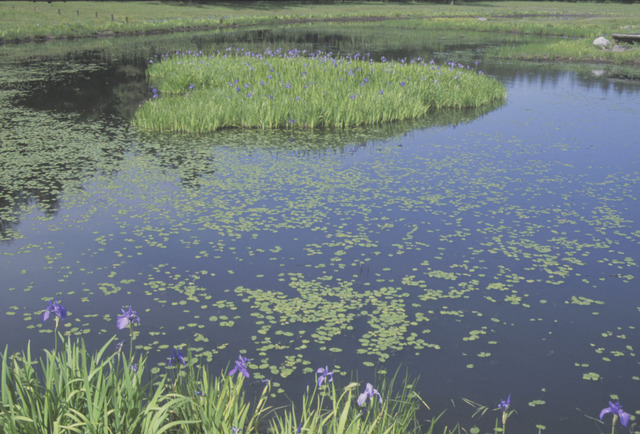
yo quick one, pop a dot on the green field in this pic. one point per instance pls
(577, 23)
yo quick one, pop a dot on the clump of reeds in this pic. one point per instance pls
(194, 92)
(74, 391)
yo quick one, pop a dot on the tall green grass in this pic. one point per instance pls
(197, 93)
(328, 410)
(74, 391)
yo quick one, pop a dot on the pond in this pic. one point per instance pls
(488, 252)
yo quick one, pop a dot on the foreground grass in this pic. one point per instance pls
(197, 93)
(76, 392)
(103, 392)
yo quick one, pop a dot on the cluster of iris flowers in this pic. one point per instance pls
(196, 92)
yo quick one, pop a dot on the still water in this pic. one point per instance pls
(491, 252)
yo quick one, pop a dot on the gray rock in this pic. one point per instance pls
(602, 42)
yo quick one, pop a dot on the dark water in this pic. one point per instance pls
(489, 252)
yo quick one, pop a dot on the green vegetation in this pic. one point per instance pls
(582, 21)
(103, 392)
(577, 32)
(21, 20)
(568, 50)
(199, 93)
(325, 410)
(385, 320)
(520, 24)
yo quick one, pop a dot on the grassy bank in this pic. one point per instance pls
(194, 92)
(580, 23)
(568, 50)
(26, 20)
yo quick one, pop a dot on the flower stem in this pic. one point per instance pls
(130, 342)
(55, 337)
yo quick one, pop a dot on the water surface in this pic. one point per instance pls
(489, 252)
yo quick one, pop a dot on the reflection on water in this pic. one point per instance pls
(490, 252)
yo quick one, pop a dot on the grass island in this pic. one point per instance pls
(195, 92)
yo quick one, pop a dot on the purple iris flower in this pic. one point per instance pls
(402, 83)
(504, 405)
(56, 308)
(369, 393)
(241, 367)
(127, 317)
(325, 375)
(177, 356)
(235, 430)
(616, 409)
